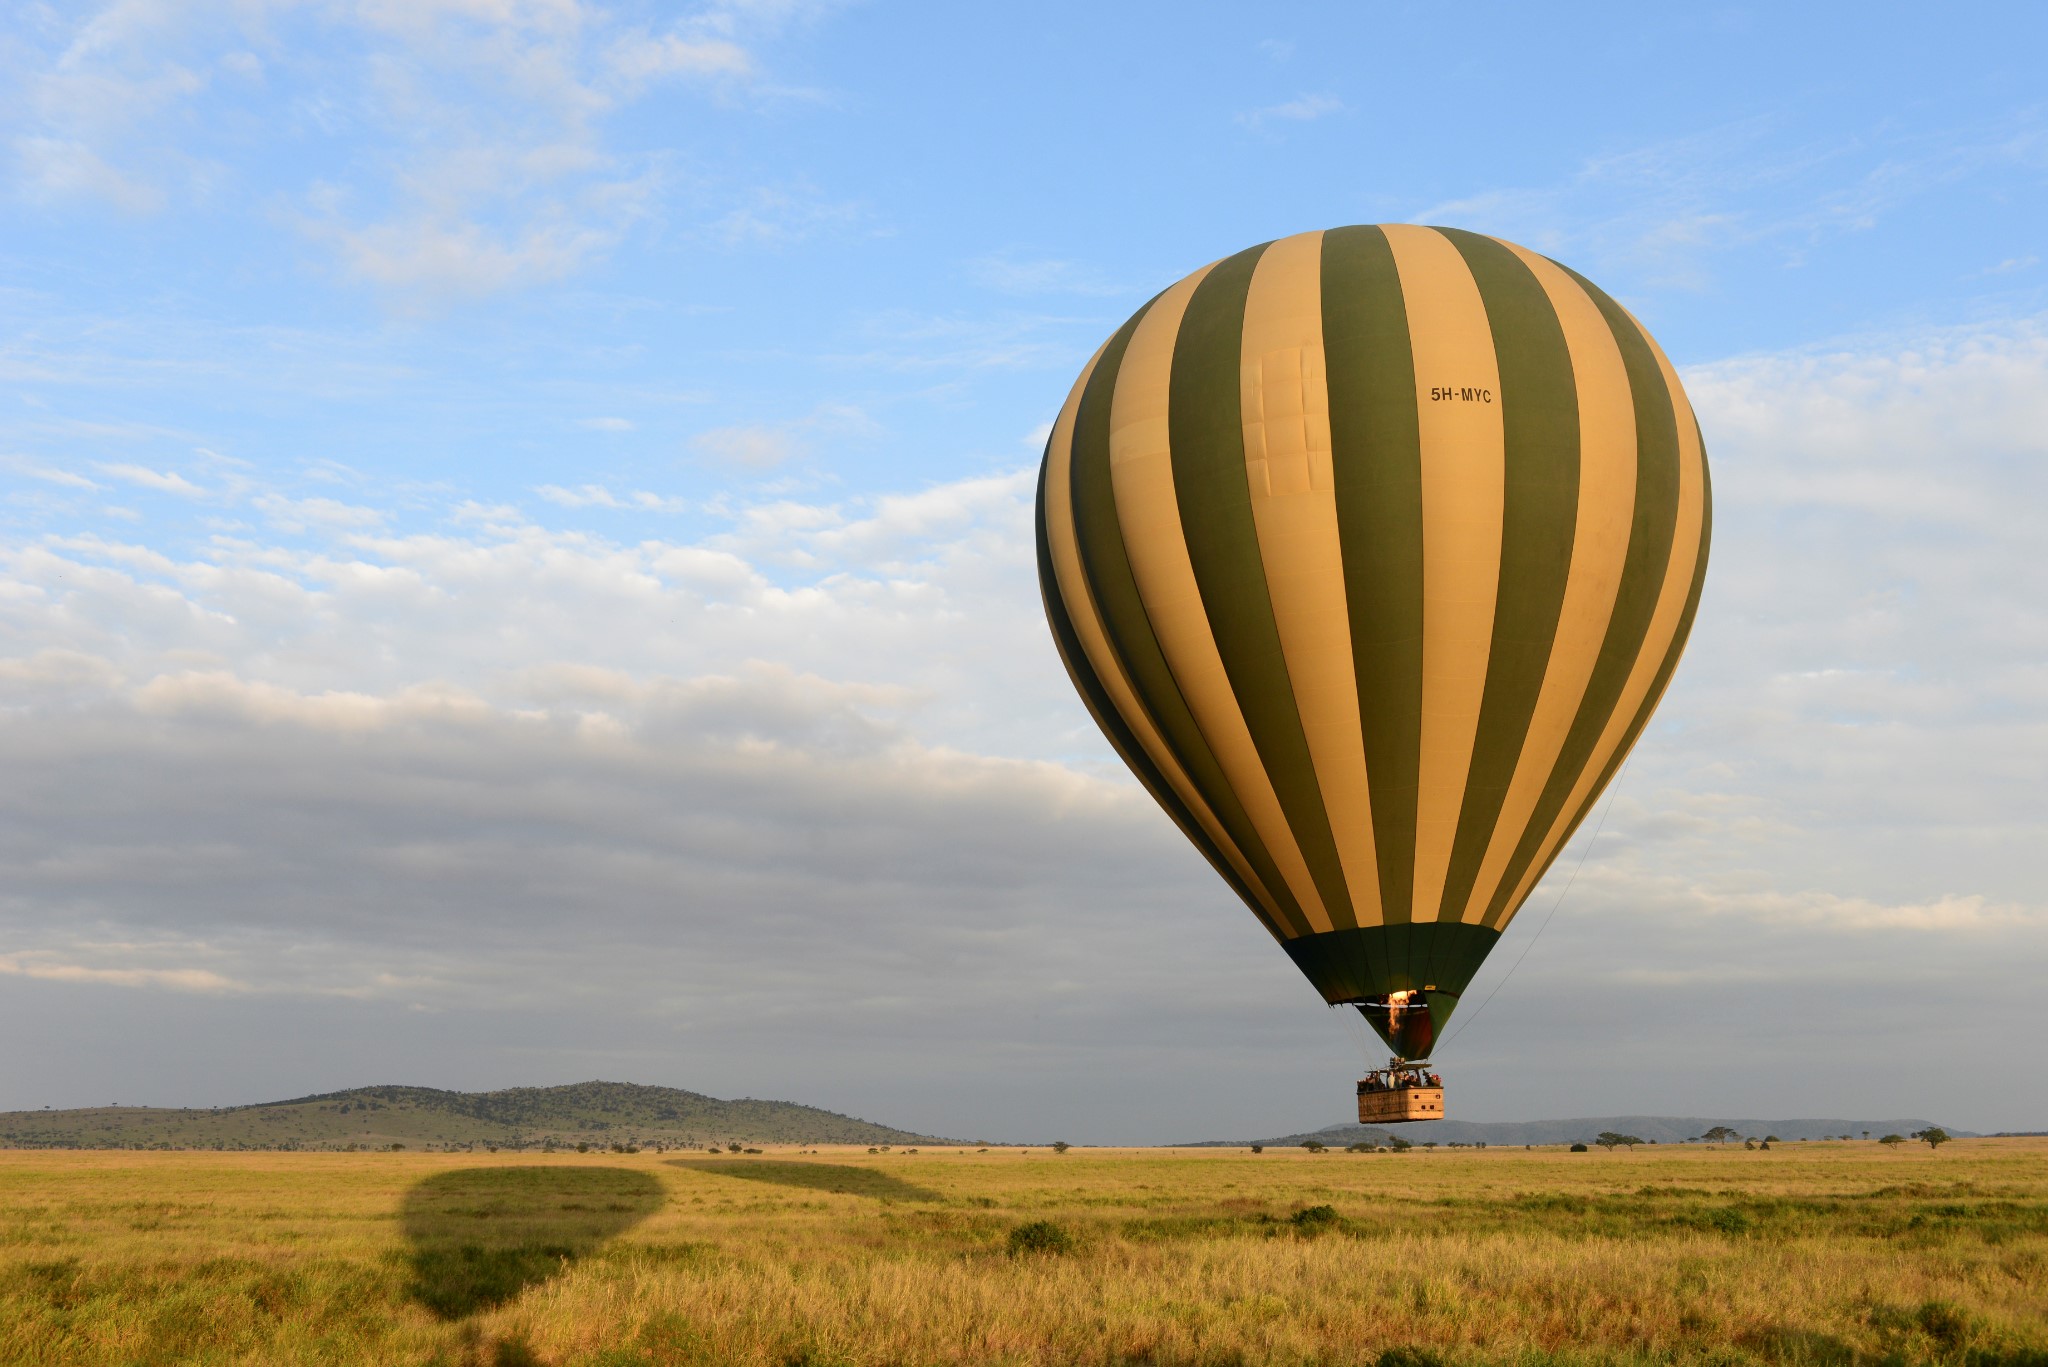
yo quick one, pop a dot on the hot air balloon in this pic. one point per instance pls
(1371, 551)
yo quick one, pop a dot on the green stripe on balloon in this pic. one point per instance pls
(1540, 422)
(1642, 578)
(1206, 435)
(1121, 738)
(1107, 566)
(1376, 462)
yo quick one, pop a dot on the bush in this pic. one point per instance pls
(1314, 1145)
(1060, 1146)
(1315, 1219)
(1040, 1236)
(1728, 1220)
(1258, 1148)
(1580, 1148)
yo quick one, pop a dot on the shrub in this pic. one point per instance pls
(1314, 1145)
(1258, 1148)
(1315, 1219)
(1040, 1236)
(1728, 1220)
(1059, 1146)
(1580, 1148)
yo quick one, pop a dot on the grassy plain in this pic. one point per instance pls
(1840, 1254)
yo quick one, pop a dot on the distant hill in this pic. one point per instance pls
(1665, 1129)
(426, 1117)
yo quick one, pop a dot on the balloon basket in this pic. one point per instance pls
(1400, 1092)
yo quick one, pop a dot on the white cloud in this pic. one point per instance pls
(1662, 210)
(34, 965)
(585, 496)
(757, 447)
(598, 496)
(1300, 109)
(55, 169)
(162, 481)
(1012, 274)
(779, 215)
(297, 514)
(644, 57)
(47, 474)
(479, 158)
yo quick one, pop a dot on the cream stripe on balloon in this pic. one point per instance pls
(1464, 473)
(1286, 415)
(1141, 473)
(1094, 639)
(1607, 488)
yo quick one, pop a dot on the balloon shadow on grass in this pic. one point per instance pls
(480, 1236)
(839, 1178)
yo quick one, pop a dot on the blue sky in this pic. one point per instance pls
(513, 541)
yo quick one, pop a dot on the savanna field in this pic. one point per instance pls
(1837, 1253)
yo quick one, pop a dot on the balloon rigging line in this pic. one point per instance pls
(1605, 808)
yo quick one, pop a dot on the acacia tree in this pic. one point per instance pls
(1892, 1141)
(1720, 1134)
(1933, 1135)
(1609, 1140)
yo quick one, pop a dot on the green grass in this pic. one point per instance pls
(1844, 1254)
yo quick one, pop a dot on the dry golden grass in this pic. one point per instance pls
(1810, 1253)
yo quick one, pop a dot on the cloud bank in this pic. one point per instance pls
(803, 806)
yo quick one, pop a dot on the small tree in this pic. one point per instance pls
(1892, 1141)
(1609, 1140)
(1314, 1145)
(1772, 1139)
(1399, 1145)
(1258, 1148)
(1720, 1134)
(1933, 1136)
(1059, 1146)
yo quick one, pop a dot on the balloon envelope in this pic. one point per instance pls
(1371, 551)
